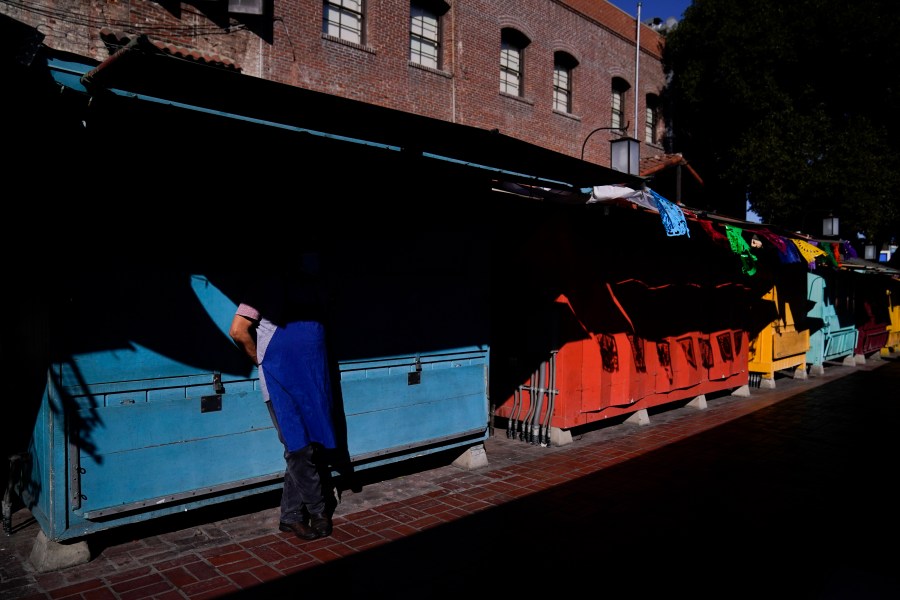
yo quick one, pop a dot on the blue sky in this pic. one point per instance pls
(654, 8)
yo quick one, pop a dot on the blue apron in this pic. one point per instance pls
(296, 371)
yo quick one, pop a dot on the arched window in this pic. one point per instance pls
(425, 32)
(563, 68)
(619, 88)
(512, 61)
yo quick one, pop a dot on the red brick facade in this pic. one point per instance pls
(287, 45)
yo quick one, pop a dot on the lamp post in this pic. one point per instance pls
(624, 152)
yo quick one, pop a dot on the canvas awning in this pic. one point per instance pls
(141, 71)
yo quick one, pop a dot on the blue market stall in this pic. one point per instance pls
(834, 340)
(150, 410)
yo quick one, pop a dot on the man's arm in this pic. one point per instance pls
(243, 332)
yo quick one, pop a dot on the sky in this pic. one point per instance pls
(653, 8)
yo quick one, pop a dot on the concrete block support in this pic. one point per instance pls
(51, 556)
(641, 417)
(699, 402)
(742, 392)
(560, 437)
(473, 458)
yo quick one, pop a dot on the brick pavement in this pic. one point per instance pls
(223, 550)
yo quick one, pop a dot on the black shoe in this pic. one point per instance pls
(301, 530)
(320, 524)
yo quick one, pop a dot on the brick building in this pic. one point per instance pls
(547, 72)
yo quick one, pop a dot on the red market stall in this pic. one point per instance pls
(609, 315)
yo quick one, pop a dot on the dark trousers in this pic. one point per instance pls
(302, 494)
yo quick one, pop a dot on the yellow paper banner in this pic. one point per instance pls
(808, 251)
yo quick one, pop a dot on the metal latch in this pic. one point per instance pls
(415, 377)
(217, 383)
(213, 403)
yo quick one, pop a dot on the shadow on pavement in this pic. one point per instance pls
(796, 500)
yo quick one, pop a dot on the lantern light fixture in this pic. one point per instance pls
(831, 226)
(625, 155)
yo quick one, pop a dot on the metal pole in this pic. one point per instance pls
(637, 71)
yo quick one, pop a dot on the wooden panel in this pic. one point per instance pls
(387, 413)
(146, 472)
(132, 427)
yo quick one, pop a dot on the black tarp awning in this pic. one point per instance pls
(144, 73)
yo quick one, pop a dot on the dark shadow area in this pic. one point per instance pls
(790, 500)
(113, 298)
(357, 481)
(197, 517)
(268, 500)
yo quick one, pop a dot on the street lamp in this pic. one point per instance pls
(624, 152)
(625, 155)
(830, 226)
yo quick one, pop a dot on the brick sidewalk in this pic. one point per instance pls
(217, 551)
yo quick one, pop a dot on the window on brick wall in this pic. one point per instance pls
(651, 122)
(425, 32)
(343, 19)
(563, 68)
(619, 89)
(512, 61)
(246, 7)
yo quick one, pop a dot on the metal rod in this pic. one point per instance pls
(621, 130)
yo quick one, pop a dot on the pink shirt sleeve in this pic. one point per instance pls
(245, 310)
